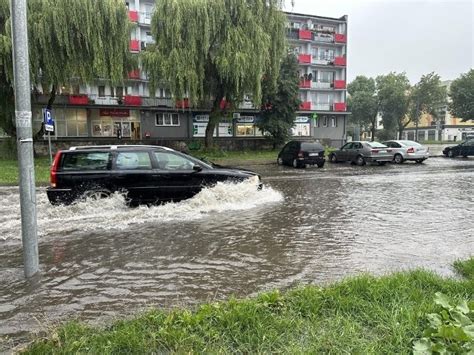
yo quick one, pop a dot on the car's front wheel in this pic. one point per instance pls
(419, 161)
(280, 161)
(450, 154)
(296, 164)
(96, 194)
(333, 158)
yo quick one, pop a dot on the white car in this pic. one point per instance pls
(407, 150)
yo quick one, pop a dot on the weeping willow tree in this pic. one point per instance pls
(70, 42)
(210, 51)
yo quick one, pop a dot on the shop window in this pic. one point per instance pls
(246, 129)
(70, 122)
(167, 119)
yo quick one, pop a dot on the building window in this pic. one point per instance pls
(167, 119)
(325, 121)
(112, 91)
(119, 91)
(101, 91)
(70, 122)
(326, 76)
(333, 121)
(76, 90)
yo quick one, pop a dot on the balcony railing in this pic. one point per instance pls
(105, 100)
(305, 106)
(339, 84)
(132, 100)
(321, 85)
(304, 58)
(133, 15)
(135, 45)
(322, 61)
(78, 100)
(339, 106)
(340, 38)
(321, 106)
(305, 84)
(134, 74)
(305, 34)
(340, 61)
(325, 38)
(182, 103)
(145, 18)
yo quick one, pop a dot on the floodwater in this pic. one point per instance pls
(101, 260)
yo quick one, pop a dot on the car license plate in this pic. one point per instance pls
(383, 151)
(313, 154)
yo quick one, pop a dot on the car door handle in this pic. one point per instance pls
(162, 176)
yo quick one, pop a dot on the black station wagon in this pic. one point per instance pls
(301, 153)
(145, 174)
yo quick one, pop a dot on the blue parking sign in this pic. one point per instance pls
(48, 120)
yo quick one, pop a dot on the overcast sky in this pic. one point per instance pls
(414, 36)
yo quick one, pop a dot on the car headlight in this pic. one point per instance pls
(255, 180)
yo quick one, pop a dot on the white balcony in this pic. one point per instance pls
(321, 107)
(105, 100)
(320, 85)
(320, 61)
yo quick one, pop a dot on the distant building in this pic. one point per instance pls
(101, 111)
(441, 127)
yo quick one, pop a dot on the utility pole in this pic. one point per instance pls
(23, 119)
(416, 122)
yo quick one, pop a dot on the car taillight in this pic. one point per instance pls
(374, 150)
(411, 150)
(54, 169)
(300, 154)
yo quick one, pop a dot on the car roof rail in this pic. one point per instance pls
(113, 147)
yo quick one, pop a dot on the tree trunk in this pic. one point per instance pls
(374, 122)
(214, 117)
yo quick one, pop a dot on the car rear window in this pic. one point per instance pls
(133, 161)
(376, 145)
(311, 147)
(85, 161)
(411, 143)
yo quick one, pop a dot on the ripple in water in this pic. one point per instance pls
(113, 214)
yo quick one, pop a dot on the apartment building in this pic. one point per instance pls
(131, 111)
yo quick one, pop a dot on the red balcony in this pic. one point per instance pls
(304, 58)
(305, 84)
(305, 106)
(134, 74)
(133, 15)
(340, 38)
(339, 106)
(134, 45)
(305, 34)
(339, 84)
(182, 103)
(340, 61)
(224, 105)
(78, 99)
(131, 100)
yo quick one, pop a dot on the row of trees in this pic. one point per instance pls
(398, 103)
(205, 51)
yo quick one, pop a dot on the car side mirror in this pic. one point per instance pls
(197, 168)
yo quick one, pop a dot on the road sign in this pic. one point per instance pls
(48, 120)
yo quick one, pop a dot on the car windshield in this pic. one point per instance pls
(203, 161)
(376, 145)
(311, 147)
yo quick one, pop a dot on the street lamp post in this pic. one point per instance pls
(23, 120)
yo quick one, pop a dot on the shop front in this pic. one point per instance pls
(223, 129)
(119, 123)
(302, 127)
(246, 126)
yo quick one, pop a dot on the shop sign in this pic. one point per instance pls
(114, 112)
(302, 119)
(246, 119)
(201, 118)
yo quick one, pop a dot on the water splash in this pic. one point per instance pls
(113, 214)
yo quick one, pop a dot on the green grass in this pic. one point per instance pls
(362, 315)
(9, 171)
(465, 267)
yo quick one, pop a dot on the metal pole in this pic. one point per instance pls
(50, 154)
(23, 118)
(416, 122)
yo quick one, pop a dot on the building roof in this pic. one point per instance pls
(340, 19)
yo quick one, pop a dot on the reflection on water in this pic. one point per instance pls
(100, 259)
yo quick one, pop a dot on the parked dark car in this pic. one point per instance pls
(463, 149)
(145, 174)
(361, 152)
(301, 153)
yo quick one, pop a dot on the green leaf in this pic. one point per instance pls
(469, 331)
(451, 332)
(459, 318)
(435, 320)
(439, 348)
(463, 307)
(422, 346)
(442, 300)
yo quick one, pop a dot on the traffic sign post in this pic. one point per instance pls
(48, 127)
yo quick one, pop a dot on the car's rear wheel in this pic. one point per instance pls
(398, 159)
(96, 194)
(296, 164)
(333, 158)
(280, 161)
(360, 160)
(320, 165)
(419, 161)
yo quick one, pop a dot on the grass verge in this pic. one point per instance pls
(9, 171)
(465, 267)
(363, 314)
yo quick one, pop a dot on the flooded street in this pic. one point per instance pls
(100, 259)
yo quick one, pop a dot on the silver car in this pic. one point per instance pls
(407, 150)
(361, 152)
